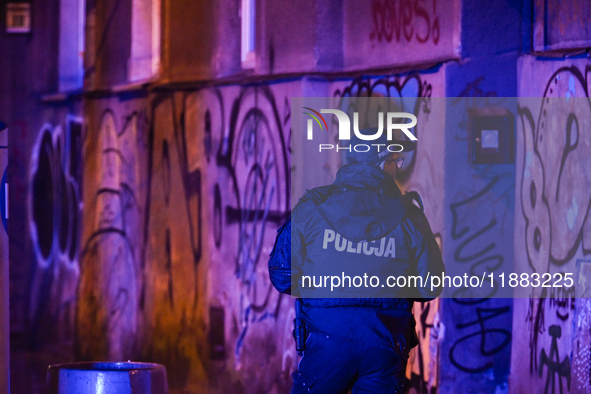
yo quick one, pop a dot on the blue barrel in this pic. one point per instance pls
(107, 377)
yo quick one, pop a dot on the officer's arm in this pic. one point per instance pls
(280, 259)
(427, 253)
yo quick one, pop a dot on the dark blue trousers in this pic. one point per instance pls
(333, 365)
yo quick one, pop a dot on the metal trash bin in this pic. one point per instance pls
(107, 378)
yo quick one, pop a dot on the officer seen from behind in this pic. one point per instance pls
(357, 343)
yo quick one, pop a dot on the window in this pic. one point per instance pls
(247, 15)
(144, 62)
(18, 18)
(71, 44)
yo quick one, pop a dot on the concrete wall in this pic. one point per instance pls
(479, 201)
(393, 33)
(551, 226)
(29, 69)
(479, 210)
(184, 192)
(561, 27)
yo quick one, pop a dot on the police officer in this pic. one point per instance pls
(357, 341)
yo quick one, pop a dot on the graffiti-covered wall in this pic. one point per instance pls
(552, 346)
(385, 33)
(54, 205)
(182, 195)
(479, 211)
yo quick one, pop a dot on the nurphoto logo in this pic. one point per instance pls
(393, 120)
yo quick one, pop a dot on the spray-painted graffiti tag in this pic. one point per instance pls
(396, 20)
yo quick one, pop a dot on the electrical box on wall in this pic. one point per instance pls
(491, 136)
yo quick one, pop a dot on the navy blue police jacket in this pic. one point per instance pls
(360, 223)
